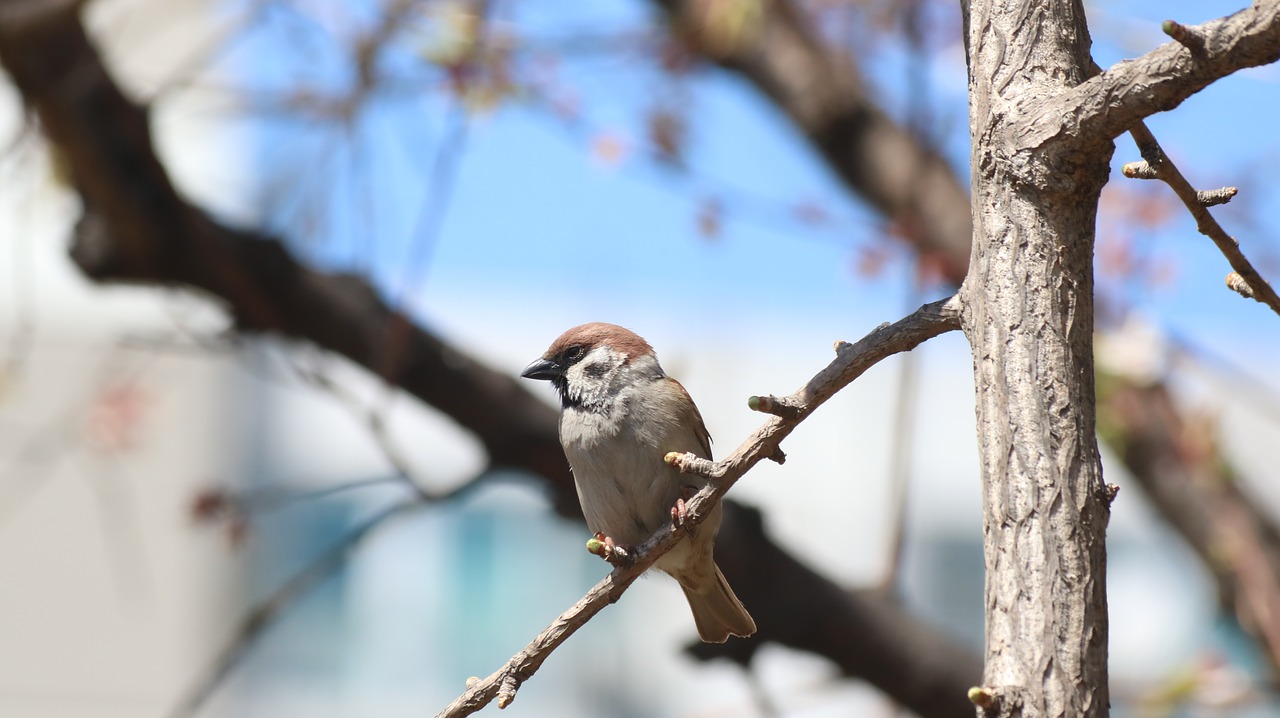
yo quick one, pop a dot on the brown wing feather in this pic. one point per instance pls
(704, 436)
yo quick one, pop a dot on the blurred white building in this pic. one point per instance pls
(110, 602)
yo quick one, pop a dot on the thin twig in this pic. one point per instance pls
(267, 499)
(851, 361)
(261, 616)
(224, 504)
(265, 613)
(901, 444)
(375, 419)
(1163, 169)
(1157, 165)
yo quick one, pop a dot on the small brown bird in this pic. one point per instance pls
(620, 415)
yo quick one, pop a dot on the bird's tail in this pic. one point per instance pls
(717, 612)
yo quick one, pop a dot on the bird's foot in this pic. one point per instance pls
(607, 549)
(680, 511)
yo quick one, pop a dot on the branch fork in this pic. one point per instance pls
(1185, 36)
(773, 405)
(1244, 279)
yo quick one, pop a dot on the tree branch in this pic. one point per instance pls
(1110, 104)
(136, 228)
(1157, 165)
(819, 87)
(851, 361)
(867, 633)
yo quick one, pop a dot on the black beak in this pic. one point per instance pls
(543, 369)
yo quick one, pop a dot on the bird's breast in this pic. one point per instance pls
(625, 487)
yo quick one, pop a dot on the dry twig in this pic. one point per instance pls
(1155, 164)
(1245, 280)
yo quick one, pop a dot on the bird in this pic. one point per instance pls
(620, 415)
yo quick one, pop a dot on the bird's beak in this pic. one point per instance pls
(542, 369)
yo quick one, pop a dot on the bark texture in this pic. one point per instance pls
(1029, 318)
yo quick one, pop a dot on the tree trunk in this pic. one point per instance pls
(1029, 318)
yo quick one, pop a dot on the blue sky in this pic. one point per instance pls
(532, 217)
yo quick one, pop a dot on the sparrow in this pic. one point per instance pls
(620, 415)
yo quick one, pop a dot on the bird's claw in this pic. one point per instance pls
(678, 514)
(680, 511)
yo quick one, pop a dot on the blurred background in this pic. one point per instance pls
(204, 516)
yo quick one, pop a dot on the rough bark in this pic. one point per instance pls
(1109, 104)
(1029, 318)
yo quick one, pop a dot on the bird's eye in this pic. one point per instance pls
(574, 353)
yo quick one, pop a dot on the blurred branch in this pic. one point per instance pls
(375, 421)
(820, 88)
(867, 633)
(231, 506)
(902, 443)
(235, 509)
(136, 228)
(391, 21)
(851, 361)
(1157, 165)
(263, 615)
(1178, 465)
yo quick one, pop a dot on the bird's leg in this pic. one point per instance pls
(606, 548)
(679, 512)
